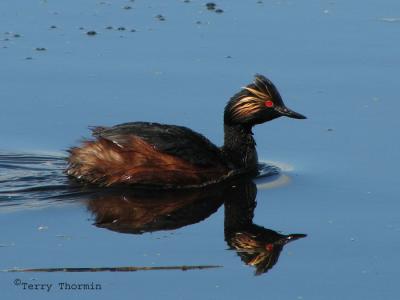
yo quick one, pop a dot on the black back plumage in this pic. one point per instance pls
(175, 140)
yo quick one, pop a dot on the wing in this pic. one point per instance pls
(174, 140)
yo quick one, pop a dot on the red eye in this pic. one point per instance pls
(269, 103)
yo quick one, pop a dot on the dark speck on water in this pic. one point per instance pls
(127, 7)
(211, 6)
(40, 49)
(121, 28)
(17, 35)
(160, 17)
(109, 27)
(53, 27)
(91, 32)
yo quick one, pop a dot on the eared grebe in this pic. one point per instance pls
(168, 156)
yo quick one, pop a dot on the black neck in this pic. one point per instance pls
(239, 146)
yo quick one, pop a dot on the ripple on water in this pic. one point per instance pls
(272, 175)
(31, 179)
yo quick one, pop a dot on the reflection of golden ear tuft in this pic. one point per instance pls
(243, 240)
(261, 257)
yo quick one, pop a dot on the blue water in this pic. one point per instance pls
(334, 61)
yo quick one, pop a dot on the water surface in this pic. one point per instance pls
(334, 61)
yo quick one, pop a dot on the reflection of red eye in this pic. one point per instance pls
(269, 247)
(269, 103)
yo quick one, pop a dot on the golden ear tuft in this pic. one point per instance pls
(257, 93)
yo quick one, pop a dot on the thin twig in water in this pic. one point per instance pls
(115, 269)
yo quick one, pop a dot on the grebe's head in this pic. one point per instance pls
(257, 103)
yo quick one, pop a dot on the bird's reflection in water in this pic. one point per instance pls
(256, 246)
(139, 211)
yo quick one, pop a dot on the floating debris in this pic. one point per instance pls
(109, 27)
(121, 28)
(62, 236)
(160, 17)
(28, 58)
(40, 49)
(127, 7)
(390, 19)
(133, 30)
(42, 227)
(53, 27)
(17, 35)
(116, 269)
(91, 32)
(211, 5)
